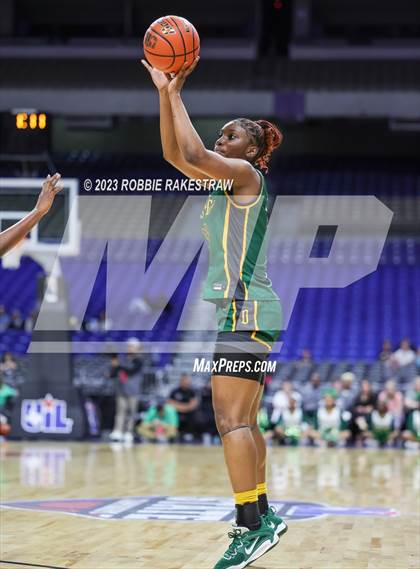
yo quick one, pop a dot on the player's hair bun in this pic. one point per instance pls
(272, 139)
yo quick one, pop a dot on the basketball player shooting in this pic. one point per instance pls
(11, 236)
(233, 221)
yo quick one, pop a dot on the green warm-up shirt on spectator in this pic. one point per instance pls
(169, 416)
(5, 392)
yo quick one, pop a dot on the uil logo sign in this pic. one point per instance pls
(47, 415)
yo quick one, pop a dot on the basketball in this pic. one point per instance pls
(169, 42)
(4, 429)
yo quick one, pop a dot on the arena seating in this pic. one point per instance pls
(90, 374)
(335, 324)
(260, 75)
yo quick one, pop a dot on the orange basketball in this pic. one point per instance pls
(4, 429)
(169, 42)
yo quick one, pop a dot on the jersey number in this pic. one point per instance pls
(245, 316)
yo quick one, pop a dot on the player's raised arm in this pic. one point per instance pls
(170, 148)
(11, 236)
(212, 163)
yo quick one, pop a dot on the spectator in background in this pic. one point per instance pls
(104, 323)
(311, 396)
(385, 358)
(281, 400)
(127, 372)
(404, 356)
(290, 427)
(347, 391)
(185, 401)
(382, 428)
(8, 368)
(98, 325)
(160, 423)
(394, 400)
(361, 411)
(412, 398)
(4, 318)
(7, 397)
(386, 352)
(333, 390)
(204, 419)
(16, 321)
(30, 321)
(305, 359)
(331, 425)
(412, 432)
(264, 423)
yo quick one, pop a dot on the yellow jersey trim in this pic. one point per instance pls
(254, 333)
(225, 236)
(241, 265)
(247, 206)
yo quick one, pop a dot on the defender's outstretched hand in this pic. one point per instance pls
(176, 84)
(11, 236)
(50, 189)
(159, 78)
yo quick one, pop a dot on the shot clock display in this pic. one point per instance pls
(24, 131)
(31, 121)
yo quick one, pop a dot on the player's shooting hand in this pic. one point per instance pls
(159, 78)
(50, 189)
(176, 84)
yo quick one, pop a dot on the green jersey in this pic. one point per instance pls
(413, 423)
(237, 247)
(169, 415)
(5, 392)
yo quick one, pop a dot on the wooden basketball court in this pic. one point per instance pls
(373, 523)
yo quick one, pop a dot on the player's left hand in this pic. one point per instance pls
(176, 84)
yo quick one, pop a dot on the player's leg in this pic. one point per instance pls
(232, 402)
(233, 397)
(272, 519)
(261, 453)
(267, 321)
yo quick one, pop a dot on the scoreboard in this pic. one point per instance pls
(31, 120)
(24, 131)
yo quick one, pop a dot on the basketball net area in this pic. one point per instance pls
(40, 247)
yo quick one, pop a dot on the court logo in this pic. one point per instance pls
(47, 415)
(185, 508)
